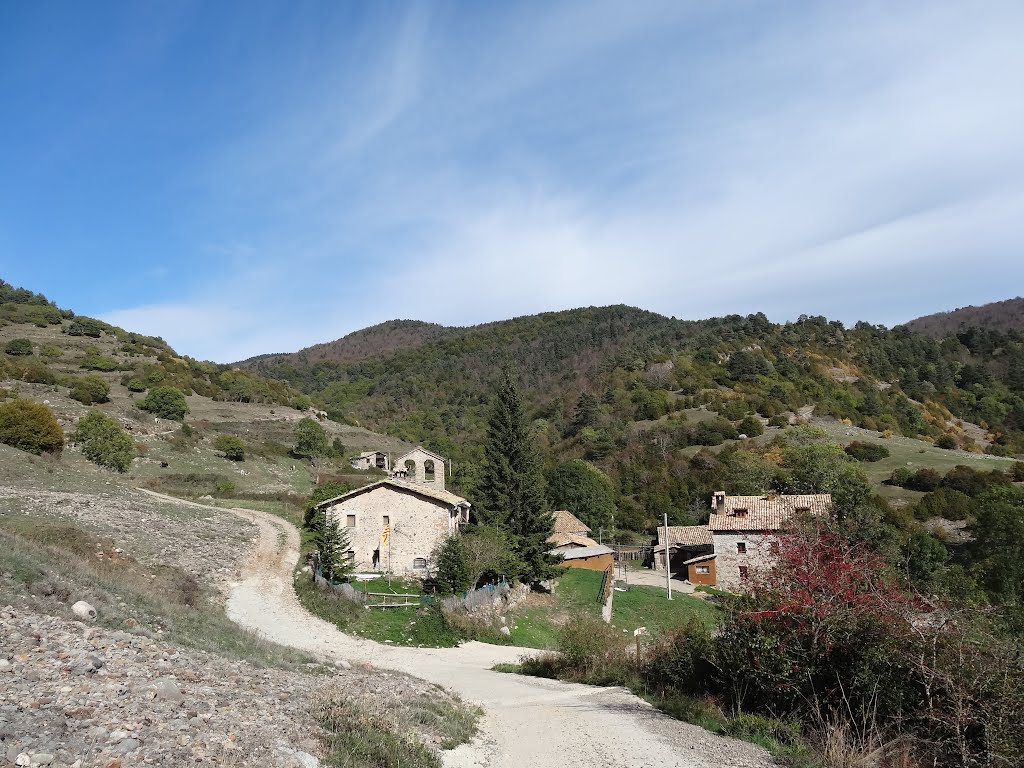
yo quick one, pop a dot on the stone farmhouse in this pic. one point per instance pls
(737, 539)
(412, 505)
(371, 460)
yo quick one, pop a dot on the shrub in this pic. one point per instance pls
(592, 651)
(104, 441)
(30, 427)
(946, 441)
(924, 480)
(165, 402)
(862, 451)
(18, 347)
(86, 326)
(1017, 473)
(89, 390)
(97, 362)
(231, 446)
(135, 384)
(751, 426)
(899, 477)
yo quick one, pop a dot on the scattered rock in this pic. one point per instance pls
(83, 610)
(342, 664)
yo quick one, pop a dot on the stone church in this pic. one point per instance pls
(412, 505)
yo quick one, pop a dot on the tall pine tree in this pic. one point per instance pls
(511, 492)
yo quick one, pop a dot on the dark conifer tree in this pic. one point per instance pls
(512, 488)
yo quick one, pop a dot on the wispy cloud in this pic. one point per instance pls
(856, 161)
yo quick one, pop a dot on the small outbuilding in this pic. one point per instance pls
(595, 558)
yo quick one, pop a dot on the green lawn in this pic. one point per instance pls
(648, 607)
(537, 623)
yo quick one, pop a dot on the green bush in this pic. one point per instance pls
(862, 451)
(946, 441)
(89, 390)
(231, 446)
(751, 426)
(86, 326)
(30, 427)
(97, 362)
(18, 347)
(778, 421)
(165, 402)
(104, 441)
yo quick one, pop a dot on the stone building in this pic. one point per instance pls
(418, 518)
(744, 528)
(737, 539)
(371, 460)
(422, 467)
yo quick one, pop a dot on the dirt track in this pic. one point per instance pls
(528, 723)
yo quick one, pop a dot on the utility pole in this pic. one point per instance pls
(668, 562)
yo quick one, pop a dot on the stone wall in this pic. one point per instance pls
(728, 560)
(418, 525)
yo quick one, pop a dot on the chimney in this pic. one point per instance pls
(717, 499)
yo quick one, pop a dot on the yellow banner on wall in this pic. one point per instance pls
(384, 535)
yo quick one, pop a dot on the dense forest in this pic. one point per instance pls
(613, 385)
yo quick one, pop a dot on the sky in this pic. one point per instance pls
(253, 177)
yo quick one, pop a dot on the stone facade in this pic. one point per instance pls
(419, 522)
(729, 560)
(422, 467)
(371, 460)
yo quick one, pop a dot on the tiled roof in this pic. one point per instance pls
(684, 536)
(567, 522)
(700, 559)
(765, 513)
(423, 490)
(564, 539)
(420, 449)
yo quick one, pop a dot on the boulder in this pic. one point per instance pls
(83, 610)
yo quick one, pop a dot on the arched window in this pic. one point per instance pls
(428, 470)
(410, 469)
(419, 563)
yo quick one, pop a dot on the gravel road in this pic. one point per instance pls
(528, 721)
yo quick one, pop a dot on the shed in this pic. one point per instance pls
(595, 558)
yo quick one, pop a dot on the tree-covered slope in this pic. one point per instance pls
(999, 315)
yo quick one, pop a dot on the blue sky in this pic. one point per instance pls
(259, 176)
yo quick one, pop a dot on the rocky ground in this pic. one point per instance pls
(73, 694)
(77, 695)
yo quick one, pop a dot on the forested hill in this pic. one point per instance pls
(999, 315)
(385, 338)
(644, 371)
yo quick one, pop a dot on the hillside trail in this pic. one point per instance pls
(527, 723)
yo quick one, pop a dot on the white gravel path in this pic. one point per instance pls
(528, 722)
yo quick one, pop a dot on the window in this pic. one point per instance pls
(703, 569)
(350, 521)
(387, 519)
(803, 509)
(741, 547)
(740, 511)
(744, 572)
(428, 470)
(419, 563)
(351, 555)
(410, 468)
